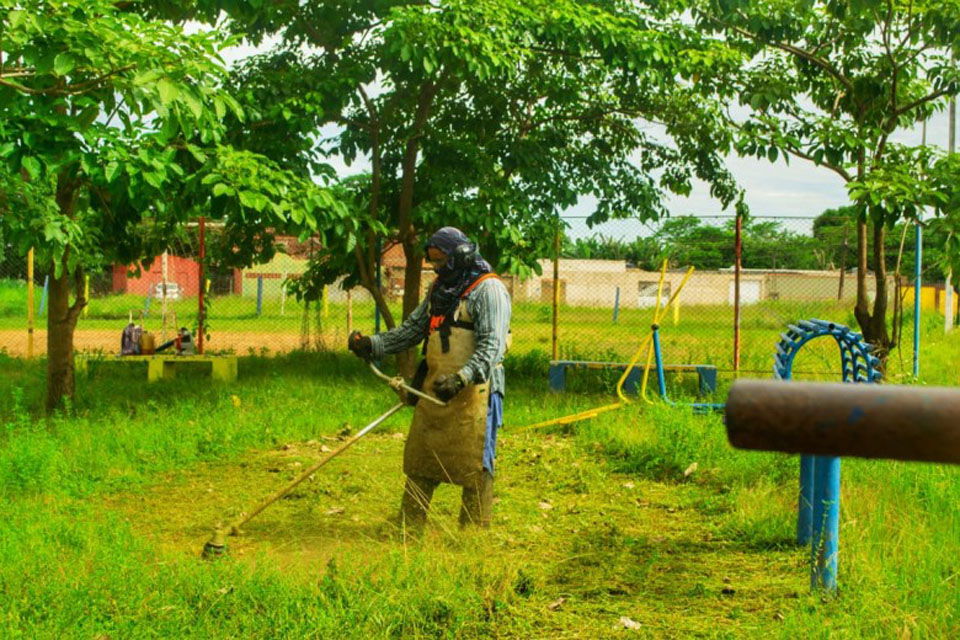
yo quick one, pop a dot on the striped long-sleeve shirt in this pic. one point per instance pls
(489, 307)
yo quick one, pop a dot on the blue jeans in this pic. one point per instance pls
(494, 422)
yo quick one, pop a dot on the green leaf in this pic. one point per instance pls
(16, 18)
(32, 166)
(147, 77)
(193, 102)
(63, 64)
(220, 189)
(112, 171)
(250, 199)
(197, 153)
(169, 92)
(220, 107)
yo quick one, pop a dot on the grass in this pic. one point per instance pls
(104, 509)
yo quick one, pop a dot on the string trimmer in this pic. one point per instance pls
(217, 545)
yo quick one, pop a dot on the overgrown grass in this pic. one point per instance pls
(104, 508)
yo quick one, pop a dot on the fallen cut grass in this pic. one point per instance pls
(104, 510)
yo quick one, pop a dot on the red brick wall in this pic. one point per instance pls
(185, 272)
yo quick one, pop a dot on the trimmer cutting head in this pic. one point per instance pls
(216, 547)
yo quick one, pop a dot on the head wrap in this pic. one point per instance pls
(451, 281)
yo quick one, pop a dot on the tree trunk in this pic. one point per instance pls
(862, 309)
(873, 325)
(407, 361)
(61, 316)
(60, 327)
(843, 264)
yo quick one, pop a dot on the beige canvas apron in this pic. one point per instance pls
(446, 443)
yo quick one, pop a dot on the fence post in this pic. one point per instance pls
(43, 296)
(948, 304)
(283, 293)
(146, 303)
(737, 249)
(163, 298)
(259, 295)
(200, 305)
(918, 278)
(616, 306)
(326, 303)
(556, 291)
(30, 303)
(86, 295)
(349, 311)
(376, 307)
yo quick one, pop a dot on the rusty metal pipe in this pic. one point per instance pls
(865, 421)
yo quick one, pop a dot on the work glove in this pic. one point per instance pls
(361, 345)
(448, 385)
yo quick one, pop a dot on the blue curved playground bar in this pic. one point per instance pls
(818, 512)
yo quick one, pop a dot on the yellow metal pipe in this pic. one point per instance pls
(30, 303)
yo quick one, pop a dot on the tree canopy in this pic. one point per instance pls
(111, 132)
(832, 83)
(490, 115)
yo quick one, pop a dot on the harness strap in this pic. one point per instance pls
(444, 323)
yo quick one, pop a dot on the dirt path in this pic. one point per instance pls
(606, 544)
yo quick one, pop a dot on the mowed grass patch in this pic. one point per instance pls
(101, 532)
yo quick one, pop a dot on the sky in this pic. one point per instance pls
(797, 190)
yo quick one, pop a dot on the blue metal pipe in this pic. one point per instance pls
(698, 407)
(805, 501)
(916, 301)
(43, 296)
(826, 523)
(661, 382)
(259, 295)
(616, 306)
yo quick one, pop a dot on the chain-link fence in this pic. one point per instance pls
(792, 269)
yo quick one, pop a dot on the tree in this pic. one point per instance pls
(491, 115)
(111, 133)
(687, 241)
(831, 83)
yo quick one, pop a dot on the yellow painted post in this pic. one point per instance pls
(30, 303)
(326, 303)
(676, 313)
(86, 295)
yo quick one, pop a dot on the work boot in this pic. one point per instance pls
(415, 504)
(476, 502)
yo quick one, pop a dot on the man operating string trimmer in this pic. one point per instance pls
(464, 325)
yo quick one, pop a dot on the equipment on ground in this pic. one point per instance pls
(217, 545)
(134, 340)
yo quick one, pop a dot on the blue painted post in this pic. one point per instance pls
(917, 282)
(661, 383)
(826, 523)
(805, 502)
(146, 303)
(43, 296)
(616, 306)
(259, 295)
